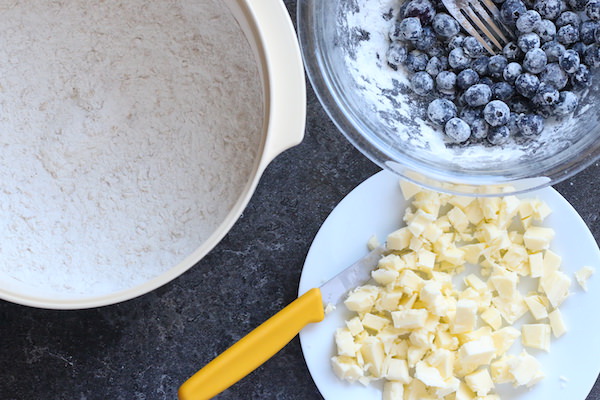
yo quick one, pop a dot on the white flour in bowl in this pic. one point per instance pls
(128, 131)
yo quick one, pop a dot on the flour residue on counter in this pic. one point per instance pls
(129, 130)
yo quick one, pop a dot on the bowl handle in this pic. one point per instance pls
(283, 75)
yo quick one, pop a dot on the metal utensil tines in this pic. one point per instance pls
(479, 17)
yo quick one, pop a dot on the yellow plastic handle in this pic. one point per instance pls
(254, 349)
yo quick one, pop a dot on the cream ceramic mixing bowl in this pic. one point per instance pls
(139, 206)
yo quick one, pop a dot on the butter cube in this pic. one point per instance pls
(557, 323)
(415, 354)
(374, 322)
(480, 382)
(419, 222)
(373, 354)
(511, 309)
(362, 298)
(389, 300)
(384, 276)
(536, 307)
(525, 369)
(464, 392)
(345, 343)
(477, 352)
(421, 338)
(552, 261)
(536, 336)
(505, 285)
(500, 369)
(346, 368)
(409, 319)
(399, 240)
(472, 252)
(465, 317)
(432, 233)
(458, 219)
(538, 238)
(556, 286)
(397, 370)
(393, 262)
(443, 360)
(492, 317)
(373, 243)
(429, 375)
(409, 189)
(354, 326)
(393, 391)
(536, 264)
(583, 275)
(431, 296)
(504, 338)
(416, 390)
(410, 281)
(425, 260)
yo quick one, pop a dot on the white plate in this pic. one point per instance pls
(375, 208)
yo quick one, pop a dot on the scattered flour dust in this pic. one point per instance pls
(399, 116)
(129, 128)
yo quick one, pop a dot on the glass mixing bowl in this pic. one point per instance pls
(344, 44)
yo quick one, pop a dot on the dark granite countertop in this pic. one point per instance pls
(143, 349)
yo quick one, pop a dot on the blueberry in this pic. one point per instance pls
(548, 9)
(441, 111)
(528, 41)
(480, 65)
(458, 130)
(597, 33)
(410, 28)
(592, 10)
(579, 48)
(422, 9)
(546, 30)
(497, 65)
(471, 47)
(512, 123)
(416, 61)
(511, 10)
(519, 104)
(512, 52)
(569, 61)
(592, 55)
(577, 5)
(496, 113)
(479, 128)
(426, 38)
(553, 50)
(567, 34)
(478, 95)
(554, 75)
(456, 41)
(422, 83)
(396, 54)
(568, 18)
(587, 31)
(394, 33)
(498, 135)
(528, 21)
(458, 60)
(445, 25)
(486, 80)
(436, 50)
(470, 114)
(511, 71)
(466, 78)
(446, 81)
(567, 103)
(581, 79)
(530, 125)
(535, 60)
(546, 95)
(527, 84)
(436, 65)
(502, 91)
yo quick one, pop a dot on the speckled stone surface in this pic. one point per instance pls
(145, 348)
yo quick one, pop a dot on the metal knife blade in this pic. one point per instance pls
(334, 290)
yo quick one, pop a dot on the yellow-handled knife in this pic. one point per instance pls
(263, 342)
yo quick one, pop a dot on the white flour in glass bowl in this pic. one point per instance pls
(128, 131)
